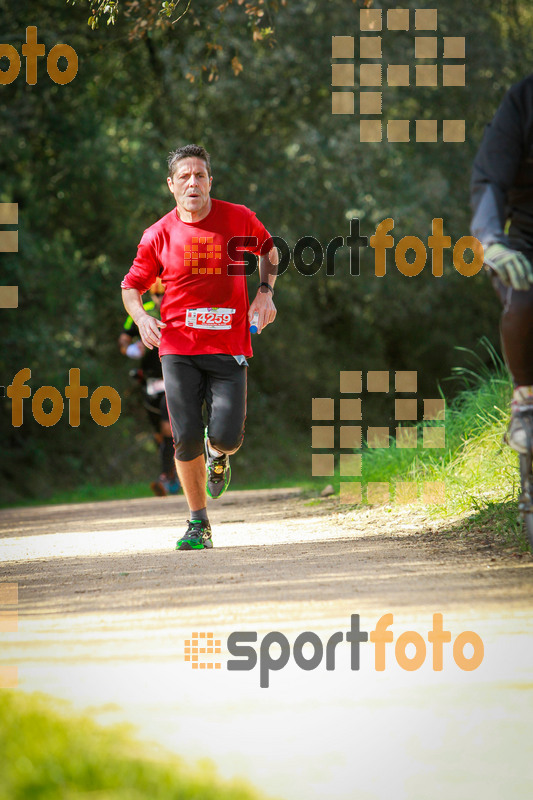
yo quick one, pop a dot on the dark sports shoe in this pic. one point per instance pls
(197, 536)
(218, 473)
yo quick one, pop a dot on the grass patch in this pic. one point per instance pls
(479, 472)
(502, 522)
(91, 493)
(49, 756)
(88, 493)
(474, 463)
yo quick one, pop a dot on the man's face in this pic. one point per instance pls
(190, 186)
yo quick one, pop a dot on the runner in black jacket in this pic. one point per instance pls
(502, 199)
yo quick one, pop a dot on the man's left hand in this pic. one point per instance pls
(263, 304)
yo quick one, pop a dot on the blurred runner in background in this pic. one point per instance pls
(150, 377)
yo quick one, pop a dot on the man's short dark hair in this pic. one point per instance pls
(188, 151)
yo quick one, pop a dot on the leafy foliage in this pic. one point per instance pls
(145, 16)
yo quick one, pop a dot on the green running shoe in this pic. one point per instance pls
(218, 473)
(197, 536)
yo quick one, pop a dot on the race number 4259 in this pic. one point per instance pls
(214, 319)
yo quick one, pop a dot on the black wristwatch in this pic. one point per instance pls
(264, 283)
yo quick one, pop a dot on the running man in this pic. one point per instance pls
(150, 378)
(203, 336)
(502, 199)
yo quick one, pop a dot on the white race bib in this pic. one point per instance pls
(212, 319)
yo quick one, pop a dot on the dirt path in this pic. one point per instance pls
(105, 605)
(270, 547)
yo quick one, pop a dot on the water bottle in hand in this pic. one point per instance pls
(254, 325)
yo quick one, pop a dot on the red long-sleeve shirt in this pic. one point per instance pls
(205, 308)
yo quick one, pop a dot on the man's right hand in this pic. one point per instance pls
(511, 266)
(149, 330)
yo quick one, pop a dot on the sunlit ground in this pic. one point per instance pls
(413, 735)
